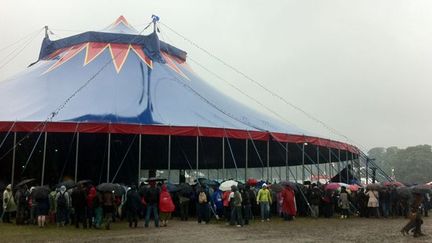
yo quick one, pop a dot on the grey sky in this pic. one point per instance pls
(363, 67)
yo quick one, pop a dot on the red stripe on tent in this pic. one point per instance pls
(172, 65)
(69, 55)
(94, 49)
(170, 130)
(119, 53)
(140, 53)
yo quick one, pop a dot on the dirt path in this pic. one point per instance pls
(301, 230)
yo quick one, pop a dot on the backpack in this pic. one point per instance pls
(202, 197)
(61, 200)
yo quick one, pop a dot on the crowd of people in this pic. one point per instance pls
(85, 206)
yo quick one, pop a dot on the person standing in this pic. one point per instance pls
(315, 200)
(108, 205)
(373, 203)
(344, 202)
(415, 221)
(79, 203)
(236, 209)
(289, 208)
(9, 205)
(22, 204)
(152, 199)
(203, 206)
(264, 199)
(166, 205)
(226, 205)
(90, 209)
(246, 204)
(132, 206)
(42, 208)
(63, 203)
(184, 199)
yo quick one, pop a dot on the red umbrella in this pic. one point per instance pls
(393, 183)
(353, 187)
(332, 186)
(252, 182)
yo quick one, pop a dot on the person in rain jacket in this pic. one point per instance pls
(90, 209)
(218, 202)
(132, 206)
(226, 206)
(264, 199)
(289, 209)
(9, 205)
(152, 199)
(166, 205)
(344, 202)
(63, 203)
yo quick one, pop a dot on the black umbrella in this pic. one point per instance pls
(40, 192)
(22, 183)
(172, 187)
(276, 187)
(404, 192)
(110, 187)
(422, 189)
(207, 182)
(84, 182)
(184, 188)
(290, 184)
(374, 186)
(155, 179)
(68, 184)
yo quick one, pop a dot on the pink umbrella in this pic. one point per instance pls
(393, 183)
(353, 187)
(332, 186)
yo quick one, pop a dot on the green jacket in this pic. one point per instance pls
(264, 195)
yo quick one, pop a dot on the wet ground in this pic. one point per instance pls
(300, 230)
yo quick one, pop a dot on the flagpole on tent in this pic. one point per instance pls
(44, 158)
(246, 159)
(76, 156)
(287, 169)
(139, 157)
(13, 159)
(169, 157)
(268, 160)
(109, 157)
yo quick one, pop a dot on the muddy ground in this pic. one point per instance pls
(300, 230)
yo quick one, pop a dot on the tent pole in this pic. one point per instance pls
(268, 160)
(13, 159)
(329, 171)
(139, 157)
(223, 158)
(76, 156)
(318, 162)
(109, 157)
(197, 155)
(303, 164)
(347, 166)
(339, 169)
(169, 157)
(44, 158)
(287, 169)
(246, 160)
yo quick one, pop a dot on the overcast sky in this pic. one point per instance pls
(362, 67)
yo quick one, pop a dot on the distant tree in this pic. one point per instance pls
(411, 165)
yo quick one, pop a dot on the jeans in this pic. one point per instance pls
(98, 217)
(247, 213)
(61, 215)
(236, 215)
(152, 207)
(80, 216)
(385, 209)
(265, 210)
(314, 211)
(203, 212)
(184, 210)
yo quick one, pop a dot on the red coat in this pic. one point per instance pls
(90, 197)
(289, 203)
(166, 204)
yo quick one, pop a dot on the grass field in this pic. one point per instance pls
(300, 230)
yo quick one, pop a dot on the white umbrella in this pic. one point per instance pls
(226, 185)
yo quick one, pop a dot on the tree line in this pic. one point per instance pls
(409, 165)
